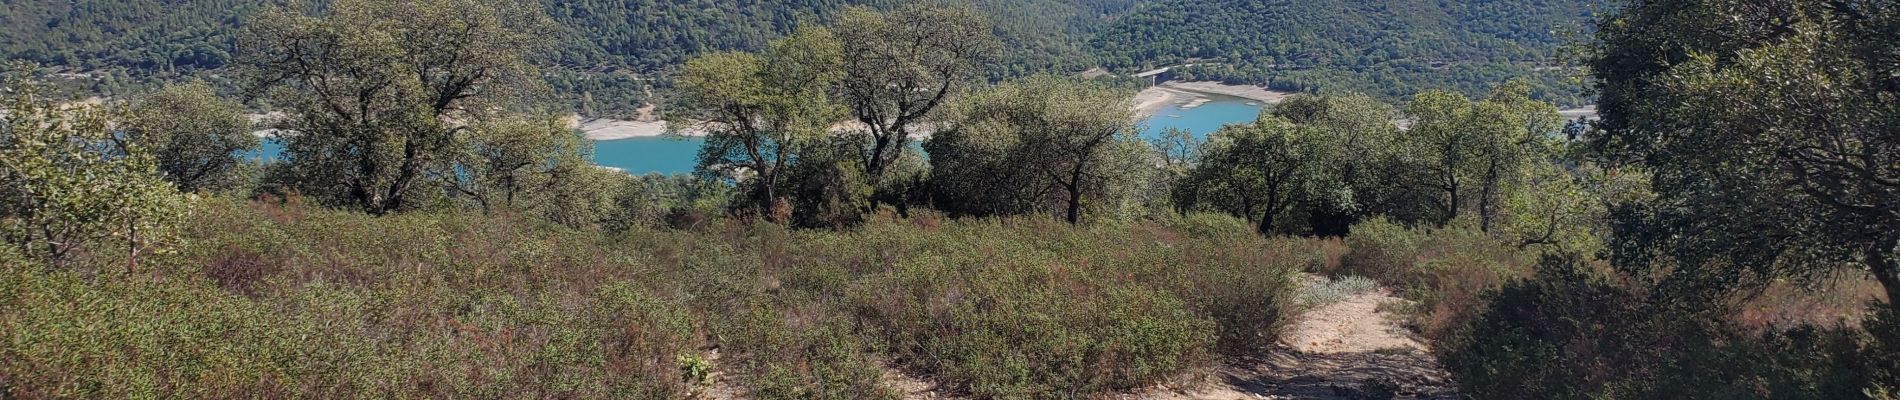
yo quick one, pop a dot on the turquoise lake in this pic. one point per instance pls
(675, 156)
(1201, 120)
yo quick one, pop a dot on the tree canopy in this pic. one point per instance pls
(1781, 111)
(377, 92)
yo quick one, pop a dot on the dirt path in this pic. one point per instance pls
(1346, 349)
(1349, 349)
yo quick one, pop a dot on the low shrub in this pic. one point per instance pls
(1565, 334)
(1330, 291)
(1447, 271)
(1038, 309)
(1006, 312)
(789, 349)
(278, 298)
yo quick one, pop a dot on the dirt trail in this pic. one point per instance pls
(1344, 350)
(1349, 349)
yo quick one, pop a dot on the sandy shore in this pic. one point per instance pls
(1154, 98)
(1250, 92)
(616, 129)
(1146, 104)
(1586, 112)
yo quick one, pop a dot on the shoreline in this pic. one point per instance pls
(601, 129)
(1154, 98)
(1146, 103)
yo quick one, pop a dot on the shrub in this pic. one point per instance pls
(1331, 291)
(1000, 318)
(800, 350)
(1214, 225)
(278, 298)
(1564, 334)
(129, 338)
(1034, 308)
(1446, 270)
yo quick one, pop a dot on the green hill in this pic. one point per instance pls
(610, 46)
(1388, 48)
(1391, 48)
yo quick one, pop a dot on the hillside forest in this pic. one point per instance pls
(608, 57)
(877, 209)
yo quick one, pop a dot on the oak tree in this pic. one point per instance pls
(378, 92)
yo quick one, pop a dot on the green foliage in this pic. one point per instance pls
(1362, 171)
(759, 109)
(68, 182)
(296, 300)
(607, 58)
(799, 350)
(534, 165)
(1037, 145)
(305, 302)
(1256, 171)
(1316, 164)
(143, 35)
(1781, 112)
(195, 136)
(903, 65)
(1038, 310)
(1446, 271)
(651, 200)
(128, 338)
(1473, 154)
(831, 188)
(1565, 334)
(371, 88)
(1213, 225)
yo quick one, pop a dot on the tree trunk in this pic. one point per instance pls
(1075, 205)
(1266, 222)
(1246, 209)
(1273, 207)
(1487, 203)
(1451, 209)
(1880, 261)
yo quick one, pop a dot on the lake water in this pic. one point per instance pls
(1201, 120)
(675, 156)
(646, 155)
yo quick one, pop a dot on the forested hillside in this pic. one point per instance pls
(1390, 48)
(140, 35)
(610, 47)
(607, 50)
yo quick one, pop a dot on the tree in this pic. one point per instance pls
(1770, 132)
(1522, 132)
(1463, 146)
(196, 136)
(66, 182)
(758, 109)
(1443, 142)
(1361, 169)
(1178, 150)
(1021, 146)
(378, 92)
(900, 66)
(1253, 171)
(514, 162)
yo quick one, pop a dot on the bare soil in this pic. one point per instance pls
(1351, 349)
